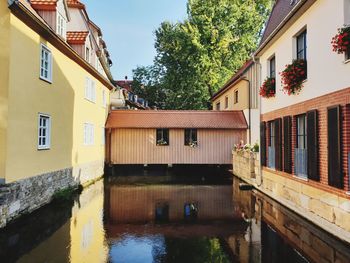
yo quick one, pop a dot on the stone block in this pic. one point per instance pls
(311, 191)
(324, 250)
(321, 209)
(342, 218)
(344, 204)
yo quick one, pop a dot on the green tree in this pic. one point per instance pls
(197, 56)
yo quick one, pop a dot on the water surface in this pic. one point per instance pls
(162, 216)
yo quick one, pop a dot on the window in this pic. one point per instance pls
(301, 132)
(218, 106)
(191, 137)
(272, 134)
(347, 12)
(61, 25)
(162, 137)
(347, 54)
(90, 90)
(300, 152)
(88, 134)
(87, 54)
(104, 99)
(301, 45)
(45, 64)
(272, 66)
(44, 132)
(236, 96)
(226, 102)
(263, 143)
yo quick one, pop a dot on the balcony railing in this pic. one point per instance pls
(300, 167)
(272, 157)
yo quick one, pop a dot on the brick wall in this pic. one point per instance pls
(321, 104)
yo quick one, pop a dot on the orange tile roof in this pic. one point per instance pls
(77, 37)
(176, 119)
(44, 4)
(75, 3)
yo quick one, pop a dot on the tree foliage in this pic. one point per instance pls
(194, 58)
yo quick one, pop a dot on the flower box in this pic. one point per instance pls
(268, 88)
(293, 76)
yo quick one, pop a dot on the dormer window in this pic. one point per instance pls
(87, 54)
(61, 25)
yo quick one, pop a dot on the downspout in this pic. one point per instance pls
(258, 77)
(249, 108)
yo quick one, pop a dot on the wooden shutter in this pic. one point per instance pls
(287, 141)
(312, 145)
(278, 144)
(335, 177)
(263, 143)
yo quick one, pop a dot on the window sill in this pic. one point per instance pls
(300, 178)
(44, 149)
(346, 61)
(46, 80)
(94, 102)
(162, 144)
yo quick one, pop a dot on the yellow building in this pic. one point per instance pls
(241, 93)
(53, 101)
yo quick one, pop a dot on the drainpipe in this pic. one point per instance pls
(249, 108)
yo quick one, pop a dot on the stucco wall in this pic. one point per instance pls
(243, 97)
(327, 71)
(63, 100)
(4, 78)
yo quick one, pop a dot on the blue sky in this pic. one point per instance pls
(128, 26)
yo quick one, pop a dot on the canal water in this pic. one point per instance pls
(168, 216)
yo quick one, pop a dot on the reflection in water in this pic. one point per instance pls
(208, 221)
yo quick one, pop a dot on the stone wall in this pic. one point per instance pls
(25, 196)
(316, 245)
(329, 207)
(245, 165)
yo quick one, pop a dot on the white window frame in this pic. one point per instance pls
(89, 134)
(87, 54)
(44, 48)
(47, 137)
(104, 99)
(90, 90)
(61, 25)
(346, 12)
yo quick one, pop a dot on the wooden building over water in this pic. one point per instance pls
(173, 137)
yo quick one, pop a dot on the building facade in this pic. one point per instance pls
(241, 93)
(305, 133)
(173, 137)
(54, 101)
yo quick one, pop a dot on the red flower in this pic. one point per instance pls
(293, 76)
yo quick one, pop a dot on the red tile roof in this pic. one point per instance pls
(176, 119)
(125, 84)
(75, 3)
(233, 79)
(77, 37)
(44, 4)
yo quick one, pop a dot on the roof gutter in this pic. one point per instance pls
(281, 25)
(26, 16)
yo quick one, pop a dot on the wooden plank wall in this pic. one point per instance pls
(138, 203)
(50, 17)
(138, 146)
